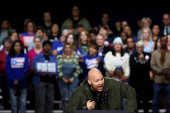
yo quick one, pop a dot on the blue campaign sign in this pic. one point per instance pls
(51, 67)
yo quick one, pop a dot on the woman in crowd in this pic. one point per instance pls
(146, 37)
(124, 36)
(155, 32)
(68, 71)
(84, 42)
(55, 33)
(16, 66)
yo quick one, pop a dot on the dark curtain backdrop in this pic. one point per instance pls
(16, 10)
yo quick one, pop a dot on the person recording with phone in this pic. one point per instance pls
(99, 93)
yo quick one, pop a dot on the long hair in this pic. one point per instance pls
(52, 27)
(145, 18)
(12, 50)
(72, 52)
(150, 33)
(88, 39)
(121, 53)
(74, 45)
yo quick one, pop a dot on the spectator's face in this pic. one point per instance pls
(124, 23)
(47, 48)
(75, 11)
(117, 46)
(17, 47)
(39, 32)
(30, 27)
(103, 31)
(105, 18)
(92, 51)
(118, 25)
(37, 42)
(70, 39)
(145, 34)
(4, 24)
(7, 46)
(79, 29)
(55, 28)
(123, 36)
(146, 23)
(130, 43)
(45, 36)
(14, 37)
(96, 82)
(47, 17)
(166, 19)
(155, 30)
(67, 50)
(92, 36)
(100, 40)
(63, 36)
(163, 42)
(128, 30)
(139, 48)
(83, 36)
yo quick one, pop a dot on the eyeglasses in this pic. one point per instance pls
(139, 47)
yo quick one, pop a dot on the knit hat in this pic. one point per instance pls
(117, 39)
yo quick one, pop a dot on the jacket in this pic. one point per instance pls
(157, 67)
(116, 92)
(2, 61)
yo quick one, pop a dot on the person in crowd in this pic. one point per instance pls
(117, 28)
(45, 35)
(24, 25)
(137, 24)
(92, 60)
(80, 28)
(159, 62)
(92, 34)
(130, 49)
(76, 18)
(129, 32)
(71, 40)
(104, 31)
(68, 71)
(140, 69)
(15, 70)
(84, 42)
(29, 29)
(89, 95)
(47, 21)
(5, 29)
(157, 44)
(44, 89)
(145, 22)
(116, 58)
(146, 37)
(124, 23)
(165, 29)
(39, 32)
(55, 33)
(58, 46)
(3, 80)
(155, 32)
(124, 36)
(105, 21)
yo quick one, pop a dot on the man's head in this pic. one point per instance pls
(47, 16)
(100, 40)
(128, 30)
(7, 42)
(64, 34)
(166, 19)
(139, 47)
(105, 18)
(163, 41)
(39, 31)
(130, 42)
(96, 80)
(47, 46)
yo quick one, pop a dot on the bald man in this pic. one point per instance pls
(99, 93)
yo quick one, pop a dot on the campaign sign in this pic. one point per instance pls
(91, 63)
(51, 67)
(17, 62)
(26, 40)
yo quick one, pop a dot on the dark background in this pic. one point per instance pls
(16, 10)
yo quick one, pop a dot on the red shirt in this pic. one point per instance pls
(2, 61)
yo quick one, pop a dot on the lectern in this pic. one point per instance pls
(102, 111)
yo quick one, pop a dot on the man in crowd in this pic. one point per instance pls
(130, 49)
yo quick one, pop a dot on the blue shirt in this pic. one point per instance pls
(16, 69)
(91, 62)
(148, 48)
(26, 34)
(57, 45)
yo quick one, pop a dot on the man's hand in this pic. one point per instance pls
(125, 78)
(16, 82)
(141, 57)
(111, 73)
(90, 105)
(70, 80)
(65, 80)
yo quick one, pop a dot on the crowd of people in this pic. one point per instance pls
(138, 57)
